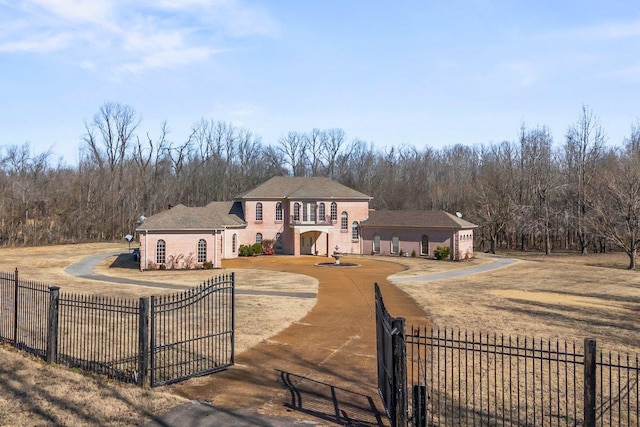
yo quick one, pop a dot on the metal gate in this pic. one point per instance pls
(392, 362)
(192, 332)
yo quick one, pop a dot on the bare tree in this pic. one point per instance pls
(332, 142)
(617, 206)
(583, 149)
(293, 149)
(536, 183)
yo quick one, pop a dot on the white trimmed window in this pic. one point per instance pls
(258, 211)
(234, 243)
(376, 242)
(279, 211)
(321, 212)
(258, 237)
(355, 234)
(161, 252)
(344, 221)
(395, 245)
(202, 250)
(424, 245)
(296, 211)
(334, 211)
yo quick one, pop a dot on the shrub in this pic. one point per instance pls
(256, 249)
(162, 267)
(207, 265)
(413, 253)
(442, 252)
(244, 250)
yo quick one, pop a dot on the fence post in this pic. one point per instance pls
(143, 341)
(52, 324)
(589, 382)
(15, 308)
(399, 371)
(233, 317)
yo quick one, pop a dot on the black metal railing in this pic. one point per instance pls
(299, 220)
(392, 378)
(193, 331)
(467, 378)
(24, 312)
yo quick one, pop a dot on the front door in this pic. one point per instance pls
(307, 244)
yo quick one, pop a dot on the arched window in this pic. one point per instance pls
(258, 237)
(161, 252)
(296, 211)
(376, 242)
(202, 250)
(355, 235)
(395, 245)
(424, 245)
(334, 211)
(279, 211)
(278, 241)
(258, 211)
(321, 212)
(344, 221)
(234, 243)
(305, 210)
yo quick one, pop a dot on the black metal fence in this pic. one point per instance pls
(193, 330)
(467, 378)
(390, 348)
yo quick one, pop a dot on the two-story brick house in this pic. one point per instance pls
(298, 216)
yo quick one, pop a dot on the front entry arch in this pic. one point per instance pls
(309, 243)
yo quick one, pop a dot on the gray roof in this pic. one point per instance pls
(286, 187)
(415, 219)
(215, 215)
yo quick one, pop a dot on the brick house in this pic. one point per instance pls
(388, 232)
(297, 216)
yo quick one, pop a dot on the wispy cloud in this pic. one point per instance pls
(603, 31)
(123, 36)
(37, 44)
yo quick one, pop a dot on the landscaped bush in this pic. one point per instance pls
(413, 253)
(256, 249)
(253, 250)
(442, 252)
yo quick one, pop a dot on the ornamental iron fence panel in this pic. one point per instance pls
(460, 378)
(192, 332)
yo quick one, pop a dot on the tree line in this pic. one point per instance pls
(527, 194)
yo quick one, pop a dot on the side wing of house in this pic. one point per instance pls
(178, 250)
(186, 238)
(417, 233)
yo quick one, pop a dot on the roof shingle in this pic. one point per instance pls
(215, 215)
(286, 187)
(415, 219)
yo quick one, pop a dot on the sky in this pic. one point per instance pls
(420, 73)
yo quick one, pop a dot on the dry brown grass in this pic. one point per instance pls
(562, 296)
(557, 297)
(35, 393)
